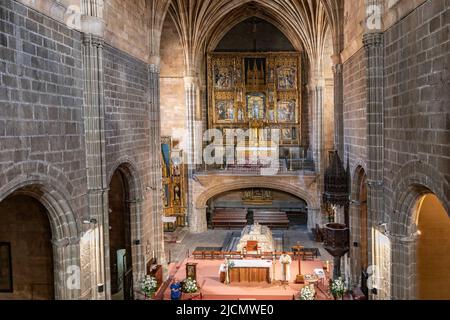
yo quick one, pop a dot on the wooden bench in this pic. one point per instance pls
(271, 219)
(229, 219)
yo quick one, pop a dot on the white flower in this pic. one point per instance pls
(149, 285)
(307, 294)
(190, 286)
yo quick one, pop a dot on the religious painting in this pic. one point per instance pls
(165, 151)
(289, 134)
(271, 115)
(287, 78)
(166, 196)
(256, 106)
(6, 279)
(225, 111)
(223, 77)
(241, 115)
(287, 111)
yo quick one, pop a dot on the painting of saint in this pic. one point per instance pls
(225, 110)
(256, 104)
(287, 78)
(223, 78)
(287, 111)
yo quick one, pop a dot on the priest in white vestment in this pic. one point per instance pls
(286, 261)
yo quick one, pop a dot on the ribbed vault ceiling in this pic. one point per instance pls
(202, 23)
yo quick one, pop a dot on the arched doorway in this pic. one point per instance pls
(26, 252)
(433, 245)
(260, 199)
(120, 246)
(364, 231)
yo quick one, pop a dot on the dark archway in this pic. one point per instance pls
(275, 200)
(120, 243)
(364, 233)
(26, 252)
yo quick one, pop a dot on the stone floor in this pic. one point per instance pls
(181, 243)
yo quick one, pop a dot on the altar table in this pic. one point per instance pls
(254, 271)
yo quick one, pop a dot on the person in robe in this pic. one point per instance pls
(175, 290)
(286, 261)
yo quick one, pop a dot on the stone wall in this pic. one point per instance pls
(355, 119)
(416, 100)
(127, 25)
(41, 96)
(127, 132)
(173, 100)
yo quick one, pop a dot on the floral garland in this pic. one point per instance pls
(190, 286)
(307, 293)
(149, 286)
(337, 288)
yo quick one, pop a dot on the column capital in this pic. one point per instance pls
(93, 26)
(373, 40)
(190, 81)
(154, 60)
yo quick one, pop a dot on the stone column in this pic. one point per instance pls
(314, 217)
(92, 26)
(373, 45)
(403, 267)
(316, 92)
(338, 105)
(199, 223)
(191, 90)
(155, 158)
(355, 236)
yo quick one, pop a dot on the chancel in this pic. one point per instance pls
(224, 150)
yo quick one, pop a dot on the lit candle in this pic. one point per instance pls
(153, 254)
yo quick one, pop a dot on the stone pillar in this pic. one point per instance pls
(338, 105)
(155, 159)
(314, 217)
(198, 218)
(355, 237)
(316, 90)
(373, 45)
(403, 267)
(191, 90)
(92, 26)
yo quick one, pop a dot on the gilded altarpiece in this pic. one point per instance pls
(256, 91)
(174, 184)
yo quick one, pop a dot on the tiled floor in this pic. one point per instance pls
(187, 242)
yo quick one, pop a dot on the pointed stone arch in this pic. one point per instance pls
(49, 186)
(135, 198)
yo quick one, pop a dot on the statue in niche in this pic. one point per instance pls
(177, 194)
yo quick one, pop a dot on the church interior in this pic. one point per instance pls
(224, 150)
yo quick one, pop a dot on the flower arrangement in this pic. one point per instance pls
(337, 288)
(190, 286)
(149, 285)
(307, 293)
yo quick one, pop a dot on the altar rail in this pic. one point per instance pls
(304, 254)
(286, 166)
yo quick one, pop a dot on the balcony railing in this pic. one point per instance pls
(286, 167)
